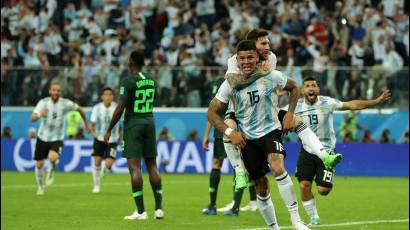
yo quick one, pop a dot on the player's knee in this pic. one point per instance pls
(262, 186)
(53, 156)
(216, 163)
(40, 164)
(305, 186)
(323, 191)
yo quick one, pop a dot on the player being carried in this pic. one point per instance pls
(101, 115)
(51, 110)
(267, 63)
(259, 137)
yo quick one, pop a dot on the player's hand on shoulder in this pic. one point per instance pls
(384, 96)
(238, 139)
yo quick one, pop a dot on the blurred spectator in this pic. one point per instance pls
(385, 137)
(32, 133)
(193, 136)
(405, 138)
(79, 135)
(347, 137)
(367, 137)
(74, 124)
(164, 135)
(6, 133)
(348, 127)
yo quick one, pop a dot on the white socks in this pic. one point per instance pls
(39, 176)
(310, 207)
(310, 141)
(234, 156)
(96, 175)
(287, 192)
(266, 208)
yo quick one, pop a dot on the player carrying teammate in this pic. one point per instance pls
(256, 110)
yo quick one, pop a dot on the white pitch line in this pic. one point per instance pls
(340, 224)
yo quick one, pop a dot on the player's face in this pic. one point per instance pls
(311, 91)
(55, 92)
(247, 61)
(263, 47)
(107, 97)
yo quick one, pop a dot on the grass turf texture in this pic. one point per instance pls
(69, 203)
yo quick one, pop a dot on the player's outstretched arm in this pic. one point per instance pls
(293, 99)
(364, 104)
(115, 118)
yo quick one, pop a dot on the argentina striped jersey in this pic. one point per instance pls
(320, 118)
(52, 125)
(256, 105)
(101, 117)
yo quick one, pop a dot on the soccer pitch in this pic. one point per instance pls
(363, 203)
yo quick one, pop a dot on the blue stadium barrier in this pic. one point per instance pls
(189, 157)
(182, 121)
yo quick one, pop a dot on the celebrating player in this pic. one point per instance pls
(51, 110)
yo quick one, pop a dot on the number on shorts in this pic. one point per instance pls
(279, 146)
(327, 176)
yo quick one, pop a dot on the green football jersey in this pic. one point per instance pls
(138, 91)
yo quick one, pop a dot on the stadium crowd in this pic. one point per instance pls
(85, 45)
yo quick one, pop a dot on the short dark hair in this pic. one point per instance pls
(309, 79)
(254, 34)
(245, 45)
(136, 59)
(107, 88)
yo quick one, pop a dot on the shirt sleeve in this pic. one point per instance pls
(224, 92)
(124, 91)
(272, 59)
(93, 117)
(233, 65)
(335, 104)
(38, 108)
(70, 105)
(279, 78)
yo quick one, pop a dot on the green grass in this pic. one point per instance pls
(69, 204)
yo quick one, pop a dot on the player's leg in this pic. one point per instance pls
(150, 155)
(156, 185)
(109, 160)
(132, 147)
(134, 167)
(275, 155)
(312, 143)
(251, 206)
(214, 179)
(53, 156)
(40, 154)
(232, 209)
(305, 173)
(98, 149)
(234, 154)
(255, 163)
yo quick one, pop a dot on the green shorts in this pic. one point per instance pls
(219, 149)
(139, 141)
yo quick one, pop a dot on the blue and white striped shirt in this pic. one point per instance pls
(101, 117)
